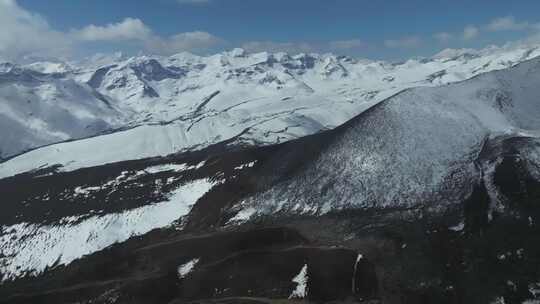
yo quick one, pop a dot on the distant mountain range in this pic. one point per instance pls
(133, 108)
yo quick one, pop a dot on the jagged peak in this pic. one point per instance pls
(449, 53)
(47, 67)
(5, 67)
(184, 58)
(237, 52)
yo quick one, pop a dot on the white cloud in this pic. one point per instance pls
(470, 32)
(24, 34)
(189, 41)
(347, 44)
(508, 23)
(271, 46)
(136, 30)
(128, 29)
(403, 43)
(443, 37)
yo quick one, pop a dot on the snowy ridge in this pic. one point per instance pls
(418, 147)
(163, 105)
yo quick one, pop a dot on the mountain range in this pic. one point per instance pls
(269, 178)
(187, 102)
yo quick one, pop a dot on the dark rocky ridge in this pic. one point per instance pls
(410, 256)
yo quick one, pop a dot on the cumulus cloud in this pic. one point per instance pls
(189, 41)
(135, 30)
(403, 43)
(470, 32)
(443, 37)
(128, 29)
(24, 34)
(508, 23)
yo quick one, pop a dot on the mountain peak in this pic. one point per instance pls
(237, 52)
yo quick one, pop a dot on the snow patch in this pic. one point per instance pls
(185, 269)
(173, 167)
(85, 191)
(358, 258)
(29, 249)
(243, 166)
(457, 228)
(534, 289)
(242, 216)
(301, 280)
(498, 300)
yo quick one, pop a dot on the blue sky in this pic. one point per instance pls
(373, 29)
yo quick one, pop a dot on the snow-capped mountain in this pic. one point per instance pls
(421, 146)
(38, 108)
(146, 106)
(419, 198)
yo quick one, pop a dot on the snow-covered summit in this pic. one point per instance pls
(449, 54)
(421, 147)
(148, 106)
(50, 67)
